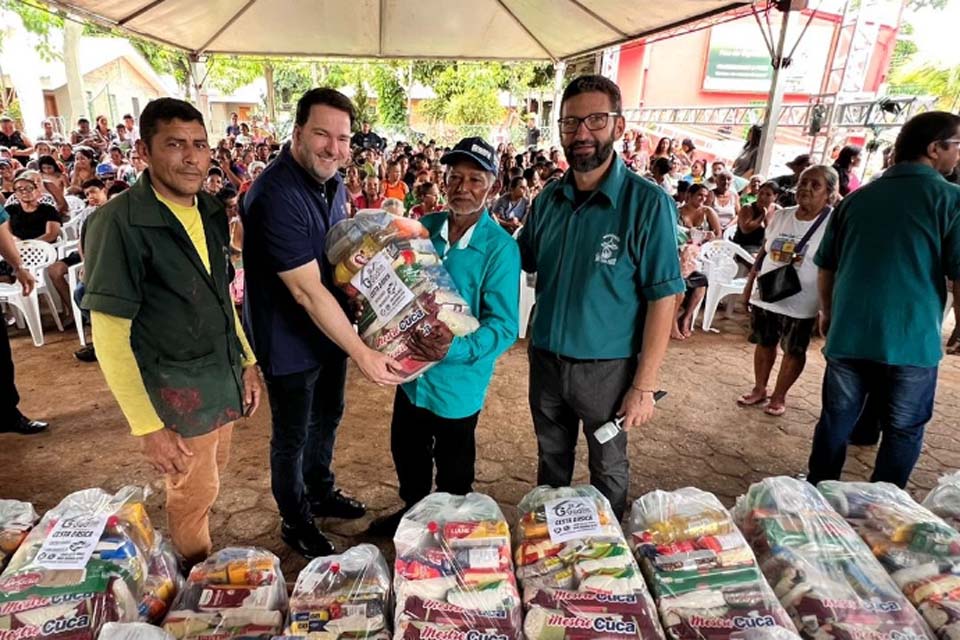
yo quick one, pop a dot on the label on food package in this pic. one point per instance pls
(71, 542)
(382, 288)
(570, 518)
(485, 558)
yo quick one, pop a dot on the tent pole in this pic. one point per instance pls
(560, 70)
(772, 114)
(198, 78)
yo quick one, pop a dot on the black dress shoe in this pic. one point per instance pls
(86, 354)
(306, 540)
(386, 526)
(338, 505)
(25, 426)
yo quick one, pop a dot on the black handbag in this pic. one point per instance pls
(784, 282)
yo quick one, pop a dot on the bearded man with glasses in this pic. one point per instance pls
(602, 241)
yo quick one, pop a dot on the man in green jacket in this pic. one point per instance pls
(435, 416)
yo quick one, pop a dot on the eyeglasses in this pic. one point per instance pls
(952, 141)
(25, 189)
(593, 122)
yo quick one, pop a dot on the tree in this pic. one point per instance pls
(929, 79)
(466, 94)
(391, 98)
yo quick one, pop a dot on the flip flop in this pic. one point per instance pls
(776, 412)
(745, 403)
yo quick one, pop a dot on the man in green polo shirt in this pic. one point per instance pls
(603, 244)
(884, 260)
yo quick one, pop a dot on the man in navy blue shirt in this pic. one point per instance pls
(296, 323)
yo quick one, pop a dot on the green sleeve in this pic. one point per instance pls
(528, 255)
(498, 313)
(113, 267)
(658, 273)
(828, 253)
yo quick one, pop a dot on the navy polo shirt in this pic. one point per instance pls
(286, 215)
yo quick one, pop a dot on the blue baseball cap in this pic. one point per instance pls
(476, 149)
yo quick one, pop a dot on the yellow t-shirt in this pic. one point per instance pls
(111, 335)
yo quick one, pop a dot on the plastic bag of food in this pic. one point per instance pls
(237, 592)
(579, 578)
(919, 550)
(133, 631)
(702, 572)
(16, 520)
(390, 271)
(343, 596)
(453, 574)
(825, 576)
(944, 499)
(85, 564)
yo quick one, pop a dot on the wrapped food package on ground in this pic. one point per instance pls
(88, 562)
(237, 592)
(705, 578)
(919, 550)
(16, 520)
(453, 574)
(824, 574)
(390, 271)
(133, 631)
(944, 499)
(342, 596)
(579, 578)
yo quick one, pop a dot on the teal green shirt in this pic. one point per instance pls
(892, 244)
(486, 269)
(599, 264)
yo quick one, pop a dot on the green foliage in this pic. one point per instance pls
(466, 94)
(37, 21)
(923, 4)
(391, 98)
(932, 80)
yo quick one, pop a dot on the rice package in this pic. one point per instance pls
(345, 596)
(824, 575)
(16, 520)
(944, 499)
(453, 574)
(237, 592)
(919, 550)
(94, 558)
(132, 631)
(705, 578)
(579, 578)
(390, 271)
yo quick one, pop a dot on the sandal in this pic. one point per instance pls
(775, 411)
(746, 401)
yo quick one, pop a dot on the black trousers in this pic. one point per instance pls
(9, 398)
(419, 439)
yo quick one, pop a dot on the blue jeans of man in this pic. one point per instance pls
(307, 408)
(902, 396)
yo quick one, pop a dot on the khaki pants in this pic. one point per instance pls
(190, 495)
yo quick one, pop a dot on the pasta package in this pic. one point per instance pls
(705, 578)
(825, 576)
(919, 550)
(407, 303)
(453, 573)
(238, 592)
(579, 578)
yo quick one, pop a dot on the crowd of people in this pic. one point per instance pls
(182, 238)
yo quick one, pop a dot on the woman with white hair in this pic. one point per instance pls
(782, 311)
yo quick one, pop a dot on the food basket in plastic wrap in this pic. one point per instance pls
(824, 574)
(944, 499)
(345, 596)
(919, 550)
(390, 271)
(16, 520)
(453, 574)
(706, 580)
(237, 592)
(93, 559)
(579, 579)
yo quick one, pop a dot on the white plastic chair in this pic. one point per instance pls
(75, 204)
(36, 256)
(528, 284)
(720, 267)
(73, 281)
(28, 308)
(729, 232)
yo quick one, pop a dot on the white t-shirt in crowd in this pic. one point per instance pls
(782, 236)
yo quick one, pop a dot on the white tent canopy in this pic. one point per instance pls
(462, 29)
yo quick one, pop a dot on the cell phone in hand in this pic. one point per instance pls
(609, 430)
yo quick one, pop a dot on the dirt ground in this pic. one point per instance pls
(699, 437)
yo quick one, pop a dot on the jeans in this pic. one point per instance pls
(307, 408)
(420, 439)
(902, 397)
(563, 393)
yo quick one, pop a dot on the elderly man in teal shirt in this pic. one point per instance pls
(435, 416)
